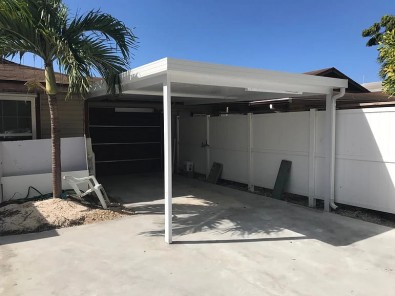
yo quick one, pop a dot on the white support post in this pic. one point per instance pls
(250, 158)
(312, 152)
(167, 157)
(207, 145)
(330, 149)
(332, 156)
(178, 145)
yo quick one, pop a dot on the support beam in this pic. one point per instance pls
(178, 145)
(331, 146)
(168, 159)
(330, 129)
(332, 155)
(328, 148)
(312, 152)
(250, 159)
(207, 146)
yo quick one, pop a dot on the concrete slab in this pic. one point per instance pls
(227, 242)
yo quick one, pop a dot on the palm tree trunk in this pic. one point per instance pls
(50, 85)
(55, 142)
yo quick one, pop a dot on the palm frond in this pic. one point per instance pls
(102, 24)
(17, 32)
(93, 43)
(102, 44)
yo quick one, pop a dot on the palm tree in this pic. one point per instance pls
(81, 46)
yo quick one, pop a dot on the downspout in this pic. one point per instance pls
(333, 148)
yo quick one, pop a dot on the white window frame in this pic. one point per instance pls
(26, 98)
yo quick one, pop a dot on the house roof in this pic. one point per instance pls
(10, 71)
(353, 86)
(374, 86)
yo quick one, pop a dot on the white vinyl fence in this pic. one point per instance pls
(251, 148)
(28, 163)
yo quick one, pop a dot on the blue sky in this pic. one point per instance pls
(285, 35)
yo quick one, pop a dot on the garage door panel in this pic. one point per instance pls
(108, 116)
(126, 142)
(127, 151)
(127, 167)
(125, 135)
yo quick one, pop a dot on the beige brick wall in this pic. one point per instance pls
(71, 117)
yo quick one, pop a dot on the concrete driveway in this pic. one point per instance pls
(227, 242)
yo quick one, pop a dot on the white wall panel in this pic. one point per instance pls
(366, 184)
(229, 132)
(321, 177)
(229, 146)
(34, 156)
(366, 134)
(281, 131)
(365, 158)
(277, 137)
(320, 133)
(17, 187)
(192, 135)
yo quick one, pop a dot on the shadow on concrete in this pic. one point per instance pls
(245, 240)
(239, 214)
(134, 187)
(200, 207)
(13, 239)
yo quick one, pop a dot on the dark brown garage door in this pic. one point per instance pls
(126, 142)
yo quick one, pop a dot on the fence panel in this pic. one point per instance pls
(192, 135)
(281, 136)
(229, 146)
(365, 152)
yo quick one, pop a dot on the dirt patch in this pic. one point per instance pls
(367, 215)
(34, 216)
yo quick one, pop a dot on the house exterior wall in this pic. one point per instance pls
(365, 152)
(71, 117)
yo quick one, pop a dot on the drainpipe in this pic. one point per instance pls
(332, 155)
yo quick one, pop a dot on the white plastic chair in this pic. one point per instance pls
(93, 186)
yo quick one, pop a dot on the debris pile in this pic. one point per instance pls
(34, 216)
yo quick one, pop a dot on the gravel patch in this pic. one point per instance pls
(34, 216)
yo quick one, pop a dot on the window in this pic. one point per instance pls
(17, 117)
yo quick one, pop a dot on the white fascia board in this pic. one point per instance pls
(175, 65)
(151, 69)
(134, 83)
(247, 83)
